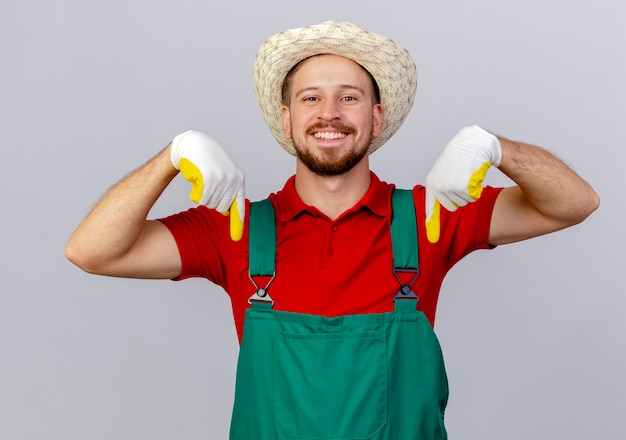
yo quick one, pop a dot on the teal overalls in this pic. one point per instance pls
(371, 376)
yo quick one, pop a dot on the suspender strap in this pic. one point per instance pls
(404, 241)
(403, 230)
(262, 249)
(262, 238)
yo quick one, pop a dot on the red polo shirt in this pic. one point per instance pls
(326, 267)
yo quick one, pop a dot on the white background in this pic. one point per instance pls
(533, 333)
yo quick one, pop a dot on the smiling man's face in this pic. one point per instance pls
(332, 115)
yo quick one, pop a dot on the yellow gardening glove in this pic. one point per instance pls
(457, 176)
(215, 179)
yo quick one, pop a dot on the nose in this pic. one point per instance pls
(329, 110)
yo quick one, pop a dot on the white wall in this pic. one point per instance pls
(533, 333)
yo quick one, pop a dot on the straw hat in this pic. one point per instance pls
(389, 63)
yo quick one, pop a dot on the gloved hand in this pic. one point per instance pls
(215, 179)
(457, 176)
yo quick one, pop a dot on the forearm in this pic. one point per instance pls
(116, 222)
(551, 187)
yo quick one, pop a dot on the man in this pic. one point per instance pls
(334, 346)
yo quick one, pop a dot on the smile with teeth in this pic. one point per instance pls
(327, 135)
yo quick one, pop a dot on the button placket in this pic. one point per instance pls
(331, 240)
(329, 246)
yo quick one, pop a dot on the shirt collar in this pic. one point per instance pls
(289, 204)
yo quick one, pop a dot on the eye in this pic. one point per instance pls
(310, 99)
(349, 98)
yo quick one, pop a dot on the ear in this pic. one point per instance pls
(377, 120)
(286, 122)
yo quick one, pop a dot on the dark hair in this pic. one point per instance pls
(286, 90)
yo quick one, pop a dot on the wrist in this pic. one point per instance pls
(167, 161)
(509, 151)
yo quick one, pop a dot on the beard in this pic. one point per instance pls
(329, 164)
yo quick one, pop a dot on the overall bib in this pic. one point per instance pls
(371, 376)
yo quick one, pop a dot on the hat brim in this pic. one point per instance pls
(389, 63)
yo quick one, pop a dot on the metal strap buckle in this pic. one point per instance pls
(261, 294)
(405, 291)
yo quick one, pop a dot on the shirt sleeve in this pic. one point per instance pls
(203, 240)
(464, 230)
